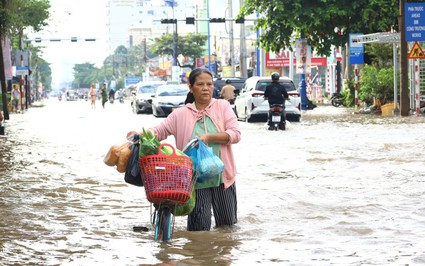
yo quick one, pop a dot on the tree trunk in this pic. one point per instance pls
(3, 82)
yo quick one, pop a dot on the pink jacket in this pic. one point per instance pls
(181, 122)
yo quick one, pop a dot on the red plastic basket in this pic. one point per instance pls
(166, 178)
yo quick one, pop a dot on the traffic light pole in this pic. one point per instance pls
(303, 85)
(175, 45)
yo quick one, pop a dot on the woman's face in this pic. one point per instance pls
(203, 88)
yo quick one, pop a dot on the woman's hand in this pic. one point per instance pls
(221, 138)
(131, 134)
(204, 138)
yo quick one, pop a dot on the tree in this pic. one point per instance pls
(84, 75)
(15, 16)
(190, 46)
(380, 54)
(377, 79)
(323, 22)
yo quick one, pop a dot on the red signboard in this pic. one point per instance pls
(282, 60)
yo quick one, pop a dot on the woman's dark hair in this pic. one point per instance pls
(192, 77)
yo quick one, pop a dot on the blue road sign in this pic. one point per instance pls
(131, 80)
(356, 49)
(414, 15)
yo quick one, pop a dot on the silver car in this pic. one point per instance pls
(168, 98)
(143, 95)
(250, 102)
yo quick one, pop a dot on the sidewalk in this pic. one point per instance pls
(326, 110)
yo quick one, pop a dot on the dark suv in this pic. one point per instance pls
(236, 82)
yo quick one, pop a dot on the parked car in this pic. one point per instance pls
(168, 98)
(250, 102)
(143, 94)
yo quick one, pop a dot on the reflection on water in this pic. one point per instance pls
(336, 188)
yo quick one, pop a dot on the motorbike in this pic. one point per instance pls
(337, 100)
(277, 117)
(121, 99)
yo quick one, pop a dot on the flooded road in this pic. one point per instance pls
(334, 189)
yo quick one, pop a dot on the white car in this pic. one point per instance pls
(71, 95)
(168, 98)
(143, 95)
(250, 102)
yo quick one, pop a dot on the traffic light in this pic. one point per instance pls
(169, 21)
(190, 20)
(217, 20)
(240, 20)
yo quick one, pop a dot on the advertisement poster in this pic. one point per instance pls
(303, 57)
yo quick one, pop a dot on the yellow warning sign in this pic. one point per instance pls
(416, 52)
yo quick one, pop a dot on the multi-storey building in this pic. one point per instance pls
(132, 21)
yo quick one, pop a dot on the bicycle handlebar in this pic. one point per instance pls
(191, 144)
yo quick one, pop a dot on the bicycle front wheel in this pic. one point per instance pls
(163, 224)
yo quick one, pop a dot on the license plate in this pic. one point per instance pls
(276, 118)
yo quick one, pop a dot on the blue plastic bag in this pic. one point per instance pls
(205, 162)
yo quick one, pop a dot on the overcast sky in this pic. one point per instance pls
(84, 19)
(70, 19)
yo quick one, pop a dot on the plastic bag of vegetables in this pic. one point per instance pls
(185, 208)
(118, 155)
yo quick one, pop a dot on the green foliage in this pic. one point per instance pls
(348, 93)
(381, 54)
(84, 75)
(17, 15)
(376, 83)
(324, 23)
(190, 45)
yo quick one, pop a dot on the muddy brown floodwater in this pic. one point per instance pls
(334, 189)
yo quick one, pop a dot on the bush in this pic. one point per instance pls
(1, 100)
(376, 83)
(348, 93)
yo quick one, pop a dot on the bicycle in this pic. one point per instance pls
(168, 180)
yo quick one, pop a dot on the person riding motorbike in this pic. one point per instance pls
(121, 95)
(276, 93)
(228, 91)
(111, 95)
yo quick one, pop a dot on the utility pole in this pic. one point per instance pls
(231, 44)
(242, 60)
(404, 95)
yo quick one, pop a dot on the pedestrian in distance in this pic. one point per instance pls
(228, 91)
(214, 122)
(92, 93)
(104, 95)
(15, 98)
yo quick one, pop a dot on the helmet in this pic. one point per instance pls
(275, 76)
(228, 81)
